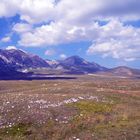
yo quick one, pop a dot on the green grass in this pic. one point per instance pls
(16, 130)
(93, 107)
(118, 118)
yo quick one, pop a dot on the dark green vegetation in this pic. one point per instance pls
(87, 108)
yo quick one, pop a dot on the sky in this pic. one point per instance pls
(103, 31)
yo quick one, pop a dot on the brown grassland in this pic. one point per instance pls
(89, 107)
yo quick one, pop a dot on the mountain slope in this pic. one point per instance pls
(12, 61)
(124, 71)
(52, 63)
(21, 60)
(77, 65)
(9, 72)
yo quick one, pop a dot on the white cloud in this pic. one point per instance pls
(67, 21)
(29, 10)
(59, 33)
(49, 52)
(63, 56)
(117, 41)
(8, 8)
(11, 47)
(22, 27)
(6, 39)
(35, 11)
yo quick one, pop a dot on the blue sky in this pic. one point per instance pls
(105, 32)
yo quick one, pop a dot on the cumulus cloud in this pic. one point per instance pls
(44, 10)
(11, 47)
(63, 56)
(49, 52)
(66, 21)
(6, 39)
(57, 33)
(29, 10)
(22, 27)
(117, 41)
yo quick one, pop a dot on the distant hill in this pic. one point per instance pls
(123, 71)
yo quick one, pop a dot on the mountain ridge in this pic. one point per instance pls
(15, 61)
(20, 59)
(76, 64)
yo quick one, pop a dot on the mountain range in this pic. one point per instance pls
(77, 65)
(15, 62)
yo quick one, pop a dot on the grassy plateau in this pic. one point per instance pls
(89, 107)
